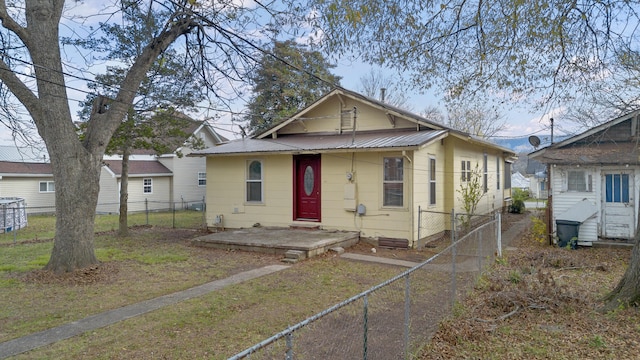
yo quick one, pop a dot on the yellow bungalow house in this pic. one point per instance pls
(351, 163)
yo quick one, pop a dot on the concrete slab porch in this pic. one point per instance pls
(279, 240)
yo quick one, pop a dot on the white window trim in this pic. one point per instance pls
(150, 186)
(588, 179)
(394, 182)
(498, 162)
(202, 176)
(247, 181)
(50, 184)
(433, 179)
(465, 169)
(485, 173)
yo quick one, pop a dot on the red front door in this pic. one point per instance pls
(306, 187)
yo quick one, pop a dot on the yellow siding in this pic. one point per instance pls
(325, 117)
(431, 223)
(226, 194)
(460, 150)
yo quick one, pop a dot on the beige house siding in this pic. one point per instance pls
(227, 195)
(28, 188)
(493, 199)
(159, 199)
(109, 196)
(431, 222)
(185, 178)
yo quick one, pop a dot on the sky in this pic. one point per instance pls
(520, 121)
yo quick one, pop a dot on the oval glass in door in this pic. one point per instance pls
(308, 180)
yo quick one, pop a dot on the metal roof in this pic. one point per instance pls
(326, 142)
(23, 154)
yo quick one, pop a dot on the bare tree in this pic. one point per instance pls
(433, 113)
(375, 85)
(478, 121)
(215, 35)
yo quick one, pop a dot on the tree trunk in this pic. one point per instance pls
(76, 164)
(123, 226)
(627, 292)
(77, 185)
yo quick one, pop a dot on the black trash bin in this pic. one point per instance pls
(567, 230)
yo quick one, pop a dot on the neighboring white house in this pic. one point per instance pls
(537, 175)
(595, 180)
(188, 181)
(30, 181)
(149, 186)
(155, 182)
(519, 181)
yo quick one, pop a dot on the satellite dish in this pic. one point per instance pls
(534, 140)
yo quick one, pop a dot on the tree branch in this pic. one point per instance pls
(18, 88)
(102, 125)
(10, 24)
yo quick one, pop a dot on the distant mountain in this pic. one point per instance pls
(521, 144)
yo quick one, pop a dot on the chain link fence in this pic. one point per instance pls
(395, 319)
(20, 223)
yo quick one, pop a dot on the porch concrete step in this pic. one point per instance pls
(293, 256)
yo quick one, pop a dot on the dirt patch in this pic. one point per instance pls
(432, 248)
(541, 302)
(100, 273)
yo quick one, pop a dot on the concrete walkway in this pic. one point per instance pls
(50, 336)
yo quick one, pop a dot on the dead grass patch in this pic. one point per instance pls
(541, 303)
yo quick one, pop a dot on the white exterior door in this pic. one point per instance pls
(617, 210)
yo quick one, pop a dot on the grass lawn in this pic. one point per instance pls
(538, 302)
(155, 261)
(42, 227)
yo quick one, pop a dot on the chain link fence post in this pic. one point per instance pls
(204, 213)
(407, 314)
(499, 233)
(419, 221)
(453, 258)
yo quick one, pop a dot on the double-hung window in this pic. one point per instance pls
(498, 172)
(465, 169)
(393, 181)
(47, 187)
(147, 186)
(254, 181)
(202, 179)
(432, 181)
(485, 173)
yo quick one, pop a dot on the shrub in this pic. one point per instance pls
(517, 206)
